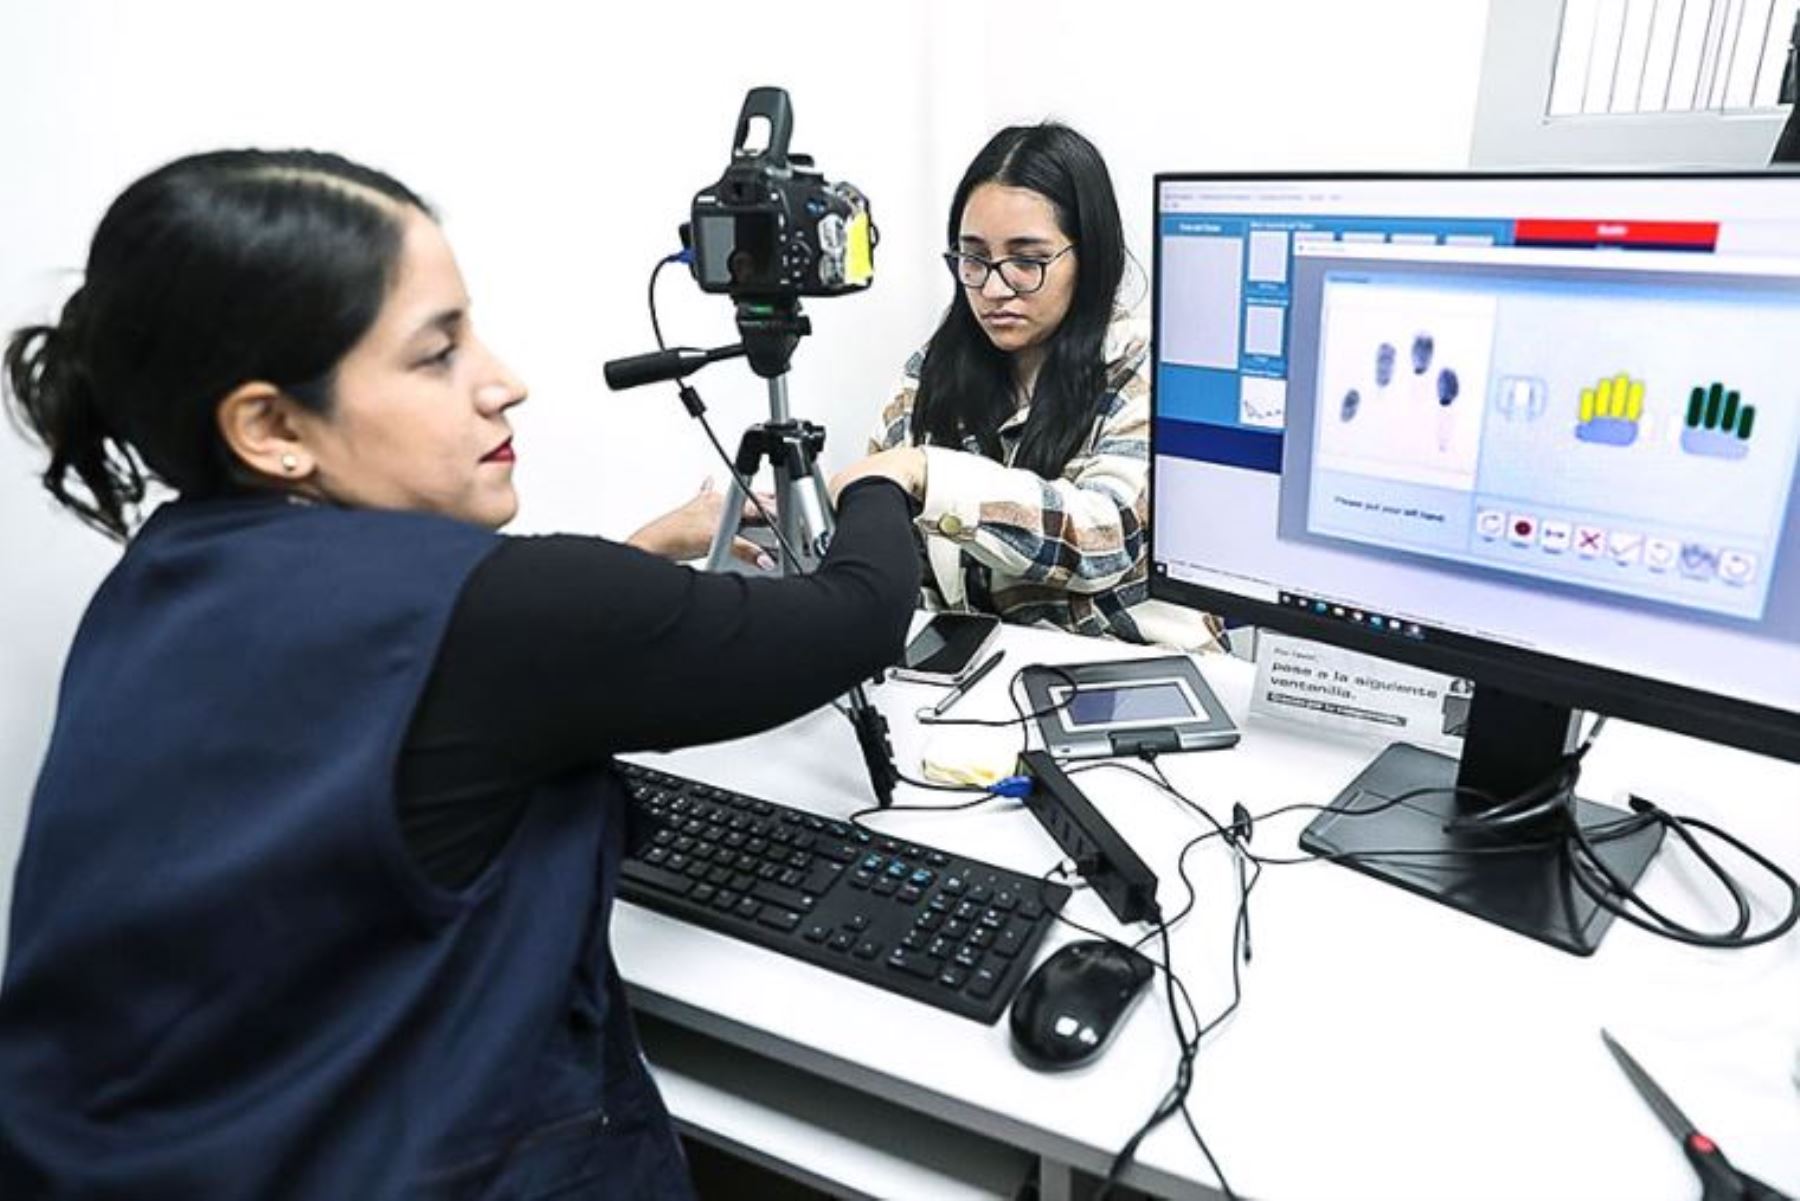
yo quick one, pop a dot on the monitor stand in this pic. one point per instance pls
(1511, 744)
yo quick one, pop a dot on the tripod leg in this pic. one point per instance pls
(828, 523)
(805, 501)
(877, 752)
(730, 518)
(813, 512)
(805, 493)
(795, 521)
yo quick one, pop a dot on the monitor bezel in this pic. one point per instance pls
(1550, 678)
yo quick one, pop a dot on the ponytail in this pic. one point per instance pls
(55, 399)
(209, 272)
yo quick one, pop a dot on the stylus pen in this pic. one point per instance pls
(967, 682)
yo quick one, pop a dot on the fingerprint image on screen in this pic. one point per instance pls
(1154, 700)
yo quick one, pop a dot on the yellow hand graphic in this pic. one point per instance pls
(1610, 411)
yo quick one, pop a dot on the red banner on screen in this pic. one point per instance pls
(1640, 235)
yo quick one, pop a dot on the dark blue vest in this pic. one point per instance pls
(227, 978)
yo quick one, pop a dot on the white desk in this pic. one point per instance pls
(1387, 1047)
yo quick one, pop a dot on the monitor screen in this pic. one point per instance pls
(1540, 431)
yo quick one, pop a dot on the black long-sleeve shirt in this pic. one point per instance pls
(562, 651)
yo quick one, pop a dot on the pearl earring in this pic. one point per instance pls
(289, 463)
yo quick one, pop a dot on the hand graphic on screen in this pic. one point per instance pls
(1610, 411)
(1718, 425)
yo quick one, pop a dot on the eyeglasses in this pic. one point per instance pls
(1023, 275)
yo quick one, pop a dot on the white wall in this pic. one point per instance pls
(562, 148)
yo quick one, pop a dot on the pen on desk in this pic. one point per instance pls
(963, 685)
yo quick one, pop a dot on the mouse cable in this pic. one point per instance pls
(1237, 834)
(1176, 1099)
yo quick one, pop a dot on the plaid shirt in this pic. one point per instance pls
(1068, 552)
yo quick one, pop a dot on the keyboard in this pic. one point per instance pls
(938, 928)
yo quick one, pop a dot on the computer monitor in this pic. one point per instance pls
(1535, 430)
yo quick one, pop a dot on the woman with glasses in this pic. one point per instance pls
(1023, 426)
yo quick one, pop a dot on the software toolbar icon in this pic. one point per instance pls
(1737, 566)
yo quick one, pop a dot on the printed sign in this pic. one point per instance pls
(1320, 685)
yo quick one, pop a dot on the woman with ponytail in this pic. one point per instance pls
(1023, 426)
(314, 893)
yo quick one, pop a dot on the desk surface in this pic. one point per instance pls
(1386, 1047)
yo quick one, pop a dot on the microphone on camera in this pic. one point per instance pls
(662, 365)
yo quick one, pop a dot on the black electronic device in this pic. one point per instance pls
(946, 647)
(1127, 707)
(1538, 431)
(1070, 1007)
(769, 228)
(1104, 859)
(939, 928)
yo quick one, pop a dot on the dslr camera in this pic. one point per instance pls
(771, 229)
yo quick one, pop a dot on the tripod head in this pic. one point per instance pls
(771, 330)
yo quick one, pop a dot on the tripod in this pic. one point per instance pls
(802, 502)
(803, 516)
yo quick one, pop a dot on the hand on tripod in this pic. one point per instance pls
(686, 533)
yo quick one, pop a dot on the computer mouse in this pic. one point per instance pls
(1067, 1010)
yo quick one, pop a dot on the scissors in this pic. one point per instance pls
(1719, 1181)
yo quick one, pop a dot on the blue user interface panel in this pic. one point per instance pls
(1558, 413)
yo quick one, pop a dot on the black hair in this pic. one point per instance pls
(966, 386)
(213, 271)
